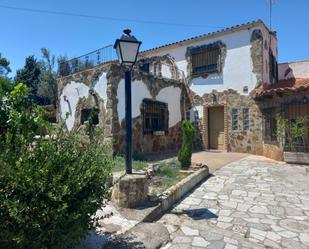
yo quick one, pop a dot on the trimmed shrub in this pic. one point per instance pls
(185, 153)
(51, 187)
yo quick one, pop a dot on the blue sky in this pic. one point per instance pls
(24, 33)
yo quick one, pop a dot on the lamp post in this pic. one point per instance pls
(127, 48)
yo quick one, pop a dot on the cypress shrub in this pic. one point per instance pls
(185, 153)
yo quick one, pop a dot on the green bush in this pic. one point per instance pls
(185, 153)
(50, 187)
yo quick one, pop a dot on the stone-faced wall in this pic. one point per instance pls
(149, 143)
(102, 87)
(84, 90)
(240, 140)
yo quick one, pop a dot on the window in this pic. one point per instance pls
(205, 59)
(234, 119)
(273, 67)
(270, 124)
(145, 67)
(90, 115)
(154, 115)
(245, 89)
(245, 118)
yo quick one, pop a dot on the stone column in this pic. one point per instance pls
(131, 191)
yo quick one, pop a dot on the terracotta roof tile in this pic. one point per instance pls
(287, 85)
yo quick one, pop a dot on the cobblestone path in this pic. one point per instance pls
(250, 203)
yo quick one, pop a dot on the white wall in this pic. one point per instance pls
(299, 69)
(139, 92)
(73, 92)
(170, 95)
(238, 66)
(100, 86)
(166, 71)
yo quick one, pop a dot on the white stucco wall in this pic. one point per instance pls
(139, 92)
(73, 92)
(170, 95)
(238, 67)
(166, 71)
(100, 86)
(299, 69)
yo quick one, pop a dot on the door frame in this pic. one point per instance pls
(205, 125)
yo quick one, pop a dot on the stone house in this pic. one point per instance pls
(222, 70)
(212, 79)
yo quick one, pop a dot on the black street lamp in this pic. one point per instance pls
(127, 50)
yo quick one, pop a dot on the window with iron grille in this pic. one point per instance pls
(145, 67)
(90, 115)
(234, 119)
(154, 115)
(270, 125)
(205, 59)
(245, 119)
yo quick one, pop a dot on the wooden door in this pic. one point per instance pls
(216, 128)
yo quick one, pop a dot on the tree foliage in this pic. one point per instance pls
(47, 87)
(41, 78)
(30, 74)
(4, 66)
(291, 133)
(49, 186)
(185, 153)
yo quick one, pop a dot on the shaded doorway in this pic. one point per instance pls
(216, 127)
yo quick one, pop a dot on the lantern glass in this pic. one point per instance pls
(127, 48)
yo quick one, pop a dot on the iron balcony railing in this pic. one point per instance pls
(108, 54)
(87, 61)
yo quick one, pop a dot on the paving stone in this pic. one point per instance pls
(287, 234)
(259, 210)
(211, 235)
(224, 225)
(230, 246)
(271, 244)
(216, 245)
(200, 242)
(225, 212)
(230, 241)
(304, 237)
(230, 204)
(225, 219)
(192, 201)
(239, 192)
(243, 207)
(273, 236)
(182, 239)
(189, 231)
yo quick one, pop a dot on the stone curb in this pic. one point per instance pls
(176, 192)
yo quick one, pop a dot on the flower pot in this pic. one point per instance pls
(296, 157)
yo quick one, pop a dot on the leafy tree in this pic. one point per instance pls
(30, 75)
(49, 186)
(4, 66)
(47, 86)
(64, 68)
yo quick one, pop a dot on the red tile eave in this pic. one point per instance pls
(285, 86)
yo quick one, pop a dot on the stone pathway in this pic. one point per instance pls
(250, 203)
(216, 159)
